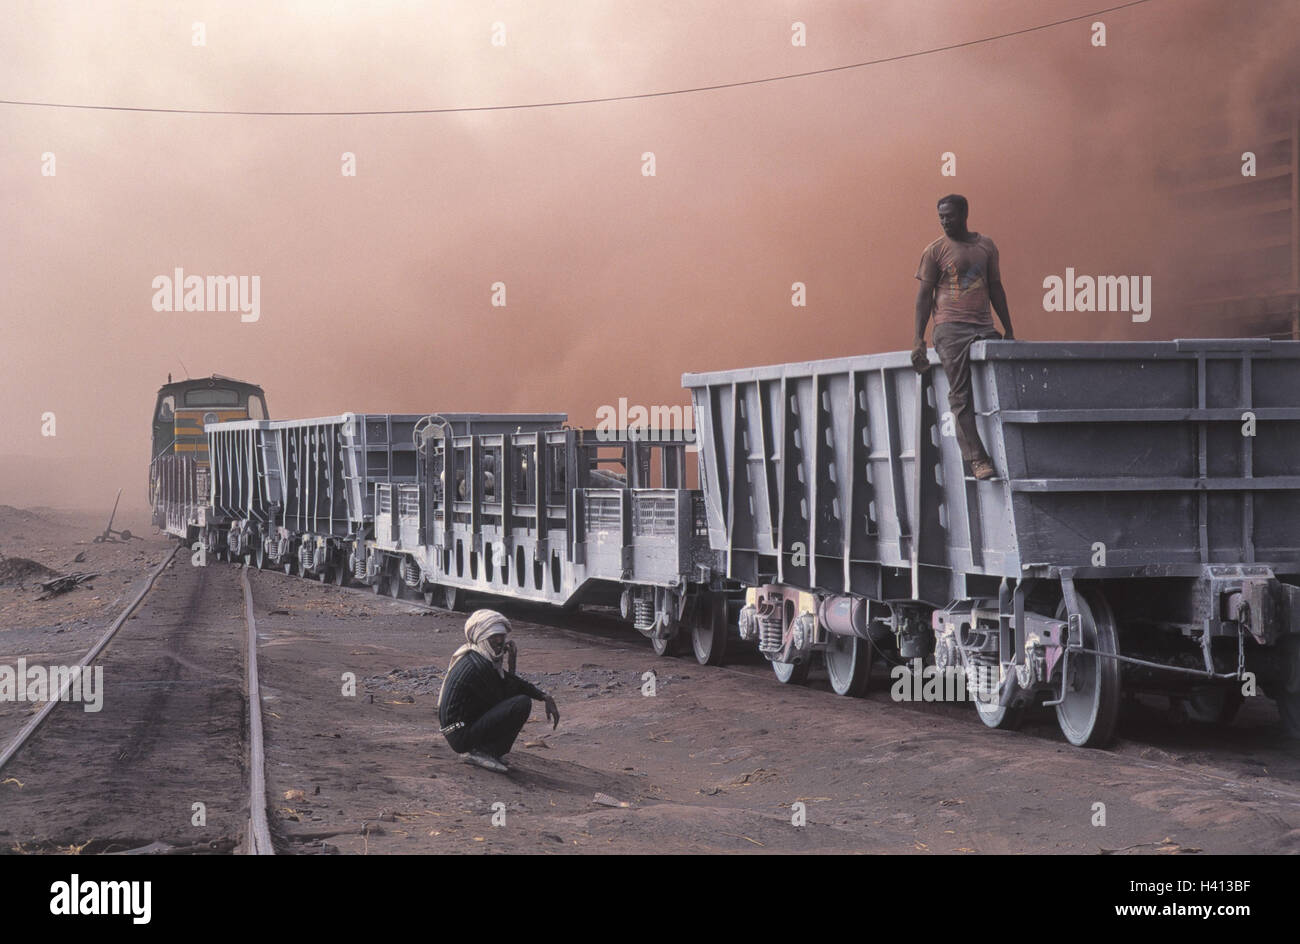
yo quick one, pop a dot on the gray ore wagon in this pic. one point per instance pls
(1142, 533)
(446, 505)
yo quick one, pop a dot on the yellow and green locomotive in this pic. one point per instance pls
(178, 467)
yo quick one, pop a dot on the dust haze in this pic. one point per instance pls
(376, 289)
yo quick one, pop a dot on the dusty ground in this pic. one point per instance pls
(169, 734)
(713, 762)
(715, 759)
(52, 539)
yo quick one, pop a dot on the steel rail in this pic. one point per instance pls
(30, 728)
(259, 832)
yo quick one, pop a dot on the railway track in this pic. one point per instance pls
(173, 758)
(175, 706)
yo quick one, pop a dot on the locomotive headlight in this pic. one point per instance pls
(209, 418)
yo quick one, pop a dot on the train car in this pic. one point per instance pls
(443, 505)
(178, 466)
(559, 516)
(1142, 532)
(300, 494)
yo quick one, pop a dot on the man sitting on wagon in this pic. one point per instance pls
(483, 704)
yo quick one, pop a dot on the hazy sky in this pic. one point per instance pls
(376, 289)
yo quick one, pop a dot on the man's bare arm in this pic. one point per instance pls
(998, 298)
(924, 304)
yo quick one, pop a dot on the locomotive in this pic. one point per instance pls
(178, 454)
(1142, 533)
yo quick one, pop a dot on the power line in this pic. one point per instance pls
(585, 101)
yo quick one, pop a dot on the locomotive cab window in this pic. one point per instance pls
(256, 408)
(212, 397)
(166, 409)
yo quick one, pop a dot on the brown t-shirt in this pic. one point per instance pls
(962, 272)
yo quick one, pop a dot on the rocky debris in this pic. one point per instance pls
(592, 681)
(589, 681)
(417, 680)
(18, 571)
(62, 584)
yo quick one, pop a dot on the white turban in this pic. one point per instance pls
(481, 625)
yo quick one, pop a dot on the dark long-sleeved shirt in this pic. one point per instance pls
(472, 688)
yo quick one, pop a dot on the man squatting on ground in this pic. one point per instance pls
(483, 705)
(960, 277)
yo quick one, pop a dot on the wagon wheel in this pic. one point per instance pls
(396, 587)
(428, 597)
(996, 716)
(342, 573)
(1090, 707)
(848, 664)
(380, 584)
(1214, 706)
(453, 598)
(792, 673)
(1288, 709)
(288, 565)
(259, 556)
(670, 646)
(709, 630)
(324, 575)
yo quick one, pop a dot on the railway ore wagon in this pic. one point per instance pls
(557, 516)
(301, 494)
(1142, 531)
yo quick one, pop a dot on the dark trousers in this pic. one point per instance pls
(952, 341)
(495, 732)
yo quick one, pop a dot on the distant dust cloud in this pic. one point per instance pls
(376, 289)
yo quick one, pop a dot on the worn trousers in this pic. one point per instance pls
(952, 341)
(495, 732)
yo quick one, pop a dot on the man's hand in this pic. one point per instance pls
(920, 362)
(552, 713)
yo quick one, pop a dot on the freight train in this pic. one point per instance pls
(1142, 533)
(447, 504)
